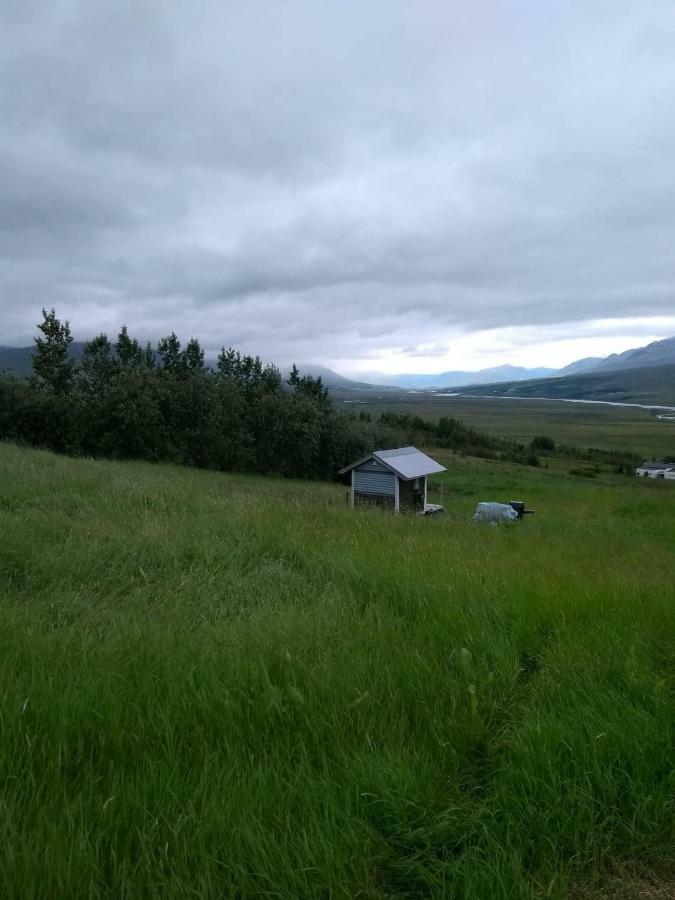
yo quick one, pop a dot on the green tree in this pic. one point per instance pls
(541, 442)
(270, 380)
(294, 376)
(99, 363)
(248, 373)
(313, 388)
(53, 366)
(148, 356)
(170, 354)
(228, 363)
(128, 350)
(193, 356)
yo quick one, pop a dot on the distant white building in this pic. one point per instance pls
(656, 468)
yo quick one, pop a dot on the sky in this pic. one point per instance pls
(383, 186)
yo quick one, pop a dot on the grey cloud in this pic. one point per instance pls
(336, 179)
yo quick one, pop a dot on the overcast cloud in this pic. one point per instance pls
(380, 185)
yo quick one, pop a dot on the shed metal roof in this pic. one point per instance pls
(406, 462)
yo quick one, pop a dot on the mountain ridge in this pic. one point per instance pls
(642, 385)
(657, 353)
(461, 377)
(587, 364)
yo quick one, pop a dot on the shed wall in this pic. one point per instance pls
(377, 482)
(382, 502)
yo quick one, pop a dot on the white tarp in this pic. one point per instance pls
(494, 513)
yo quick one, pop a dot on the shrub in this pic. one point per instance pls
(544, 443)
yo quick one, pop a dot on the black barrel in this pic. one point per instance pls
(519, 506)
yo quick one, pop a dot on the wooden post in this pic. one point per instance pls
(351, 491)
(396, 502)
(425, 494)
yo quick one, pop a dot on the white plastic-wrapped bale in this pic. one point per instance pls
(495, 513)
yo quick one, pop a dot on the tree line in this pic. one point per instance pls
(125, 400)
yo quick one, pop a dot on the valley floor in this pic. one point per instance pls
(572, 424)
(224, 686)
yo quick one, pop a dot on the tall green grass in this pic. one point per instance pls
(218, 686)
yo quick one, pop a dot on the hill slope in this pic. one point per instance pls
(234, 686)
(647, 385)
(579, 366)
(18, 360)
(330, 378)
(658, 353)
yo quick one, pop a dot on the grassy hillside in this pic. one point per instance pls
(219, 686)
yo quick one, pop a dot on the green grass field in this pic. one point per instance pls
(571, 424)
(219, 686)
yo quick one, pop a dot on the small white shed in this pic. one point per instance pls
(395, 478)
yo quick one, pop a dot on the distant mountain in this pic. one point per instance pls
(18, 360)
(328, 376)
(587, 364)
(456, 379)
(512, 373)
(644, 385)
(658, 353)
